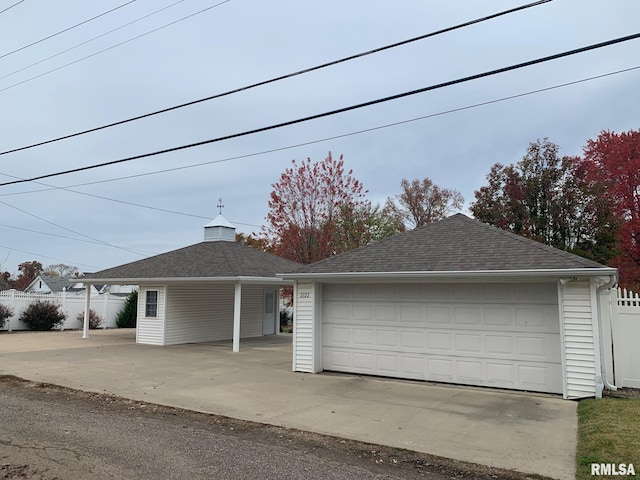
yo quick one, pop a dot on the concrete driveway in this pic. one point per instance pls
(523, 432)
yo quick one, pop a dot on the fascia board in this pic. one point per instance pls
(168, 280)
(453, 275)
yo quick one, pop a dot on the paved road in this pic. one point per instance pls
(52, 433)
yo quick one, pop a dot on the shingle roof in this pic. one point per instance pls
(55, 283)
(457, 243)
(202, 260)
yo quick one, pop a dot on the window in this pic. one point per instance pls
(151, 304)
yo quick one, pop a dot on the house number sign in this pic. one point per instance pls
(304, 295)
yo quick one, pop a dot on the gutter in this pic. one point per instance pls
(603, 373)
(170, 280)
(454, 275)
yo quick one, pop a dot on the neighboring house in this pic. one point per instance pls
(462, 302)
(214, 290)
(49, 284)
(56, 284)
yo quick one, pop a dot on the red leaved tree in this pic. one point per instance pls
(314, 207)
(613, 160)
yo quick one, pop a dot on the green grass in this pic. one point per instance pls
(608, 432)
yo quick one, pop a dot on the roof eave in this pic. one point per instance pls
(457, 275)
(213, 280)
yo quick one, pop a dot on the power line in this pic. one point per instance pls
(45, 256)
(73, 231)
(91, 39)
(112, 47)
(11, 6)
(65, 30)
(334, 112)
(69, 188)
(48, 234)
(272, 80)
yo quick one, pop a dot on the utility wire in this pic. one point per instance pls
(272, 80)
(72, 231)
(45, 256)
(113, 46)
(334, 112)
(90, 40)
(65, 30)
(69, 188)
(11, 6)
(49, 234)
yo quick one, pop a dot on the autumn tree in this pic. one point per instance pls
(317, 209)
(548, 198)
(61, 270)
(612, 162)
(422, 202)
(28, 272)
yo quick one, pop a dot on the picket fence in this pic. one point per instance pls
(72, 303)
(626, 339)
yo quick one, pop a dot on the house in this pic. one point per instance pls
(48, 284)
(214, 290)
(458, 301)
(56, 284)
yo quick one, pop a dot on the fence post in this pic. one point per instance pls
(12, 304)
(105, 309)
(64, 304)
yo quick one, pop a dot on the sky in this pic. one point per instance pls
(97, 219)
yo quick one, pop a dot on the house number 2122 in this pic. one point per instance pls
(304, 295)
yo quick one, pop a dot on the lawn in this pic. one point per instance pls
(608, 432)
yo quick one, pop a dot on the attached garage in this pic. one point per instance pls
(495, 335)
(457, 301)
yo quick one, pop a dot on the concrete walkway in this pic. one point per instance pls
(527, 433)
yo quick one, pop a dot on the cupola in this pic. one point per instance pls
(220, 229)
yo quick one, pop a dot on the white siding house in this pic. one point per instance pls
(214, 290)
(457, 301)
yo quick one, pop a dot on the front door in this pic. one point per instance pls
(269, 311)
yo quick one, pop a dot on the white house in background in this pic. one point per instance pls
(55, 284)
(214, 290)
(462, 302)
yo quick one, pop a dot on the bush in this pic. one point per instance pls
(95, 320)
(128, 316)
(43, 315)
(5, 312)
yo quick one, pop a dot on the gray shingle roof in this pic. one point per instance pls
(202, 260)
(55, 283)
(457, 243)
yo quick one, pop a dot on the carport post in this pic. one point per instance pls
(236, 317)
(87, 306)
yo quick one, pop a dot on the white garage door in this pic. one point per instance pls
(496, 335)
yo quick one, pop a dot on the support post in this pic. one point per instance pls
(87, 309)
(237, 299)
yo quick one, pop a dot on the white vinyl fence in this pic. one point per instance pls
(107, 306)
(626, 339)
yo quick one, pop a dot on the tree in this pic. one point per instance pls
(128, 316)
(28, 273)
(61, 270)
(612, 162)
(314, 207)
(548, 198)
(422, 202)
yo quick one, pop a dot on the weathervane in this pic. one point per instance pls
(220, 205)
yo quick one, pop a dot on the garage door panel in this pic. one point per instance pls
(479, 334)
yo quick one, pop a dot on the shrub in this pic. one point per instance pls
(5, 312)
(95, 320)
(128, 316)
(42, 315)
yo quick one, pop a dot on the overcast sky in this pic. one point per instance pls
(241, 42)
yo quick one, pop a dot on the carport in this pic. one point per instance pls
(214, 290)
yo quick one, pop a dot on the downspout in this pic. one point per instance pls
(600, 289)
